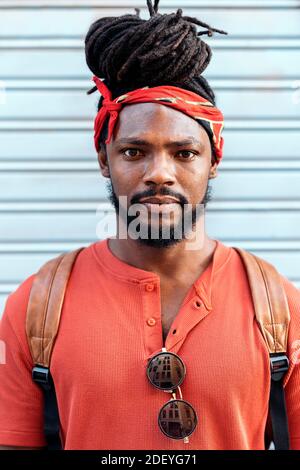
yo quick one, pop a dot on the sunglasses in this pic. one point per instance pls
(177, 419)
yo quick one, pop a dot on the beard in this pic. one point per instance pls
(177, 232)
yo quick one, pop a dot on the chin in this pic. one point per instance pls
(156, 237)
(159, 242)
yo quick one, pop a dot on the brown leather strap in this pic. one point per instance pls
(45, 305)
(270, 302)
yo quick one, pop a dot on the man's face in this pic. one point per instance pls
(157, 151)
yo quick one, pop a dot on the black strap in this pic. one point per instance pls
(277, 405)
(42, 376)
(279, 416)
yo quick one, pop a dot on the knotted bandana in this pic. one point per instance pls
(186, 101)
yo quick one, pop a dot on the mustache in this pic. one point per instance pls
(163, 192)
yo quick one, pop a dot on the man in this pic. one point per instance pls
(135, 299)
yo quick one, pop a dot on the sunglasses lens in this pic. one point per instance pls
(177, 419)
(166, 371)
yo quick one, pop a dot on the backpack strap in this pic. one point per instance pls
(273, 316)
(42, 323)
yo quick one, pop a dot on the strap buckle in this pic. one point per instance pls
(41, 375)
(279, 366)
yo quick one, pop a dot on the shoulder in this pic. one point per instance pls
(12, 324)
(293, 299)
(17, 301)
(291, 291)
(292, 294)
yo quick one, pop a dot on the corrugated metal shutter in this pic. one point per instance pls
(50, 186)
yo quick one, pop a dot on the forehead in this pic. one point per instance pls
(157, 120)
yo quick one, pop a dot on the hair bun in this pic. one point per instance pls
(129, 49)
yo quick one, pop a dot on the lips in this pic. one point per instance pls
(158, 200)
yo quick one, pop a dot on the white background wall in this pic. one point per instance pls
(50, 185)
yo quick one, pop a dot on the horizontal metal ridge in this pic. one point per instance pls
(87, 124)
(105, 206)
(63, 246)
(74, 4)
(225, 42)
(71, 84)
(91, 164)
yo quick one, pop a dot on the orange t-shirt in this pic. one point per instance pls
(111, 325)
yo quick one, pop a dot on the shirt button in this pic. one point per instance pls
(149, 287)
(197, 304)
(151, 321)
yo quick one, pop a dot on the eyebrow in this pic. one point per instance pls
(176, 143)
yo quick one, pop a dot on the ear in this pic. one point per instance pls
(213, 171)
(103, 162)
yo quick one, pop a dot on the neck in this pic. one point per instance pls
(181, 262)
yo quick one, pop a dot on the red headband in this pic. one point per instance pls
(186, 101)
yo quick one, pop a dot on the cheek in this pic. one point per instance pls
(124, 178)
(195, 183)
(123, 169)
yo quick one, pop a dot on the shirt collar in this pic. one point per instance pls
(204, 284)
(132, 274)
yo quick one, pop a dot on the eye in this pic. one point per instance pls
(186, 157)
(130, 150)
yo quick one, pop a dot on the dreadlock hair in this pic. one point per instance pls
(128, 52)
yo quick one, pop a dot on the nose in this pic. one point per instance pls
(160, 170)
